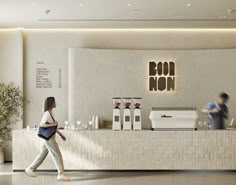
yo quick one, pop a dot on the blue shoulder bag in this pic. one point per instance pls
(47, 133)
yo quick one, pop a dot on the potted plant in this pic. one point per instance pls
(11, 100)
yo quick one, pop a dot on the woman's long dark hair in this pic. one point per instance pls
(48, 103)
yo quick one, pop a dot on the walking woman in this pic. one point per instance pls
(49, 145)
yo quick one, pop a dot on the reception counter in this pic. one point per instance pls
(133, 150)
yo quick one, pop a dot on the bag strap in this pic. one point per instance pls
(52, 116)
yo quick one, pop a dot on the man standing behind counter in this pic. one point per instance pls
(217, 111)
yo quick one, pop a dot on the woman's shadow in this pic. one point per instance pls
(108, 175)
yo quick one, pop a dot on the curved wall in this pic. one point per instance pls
(97, 75)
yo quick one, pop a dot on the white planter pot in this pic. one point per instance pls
(1, 155)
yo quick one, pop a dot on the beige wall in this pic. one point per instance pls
(97, 75)
(51, 46)
(11, 65)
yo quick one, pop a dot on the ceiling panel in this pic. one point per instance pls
(117, 13)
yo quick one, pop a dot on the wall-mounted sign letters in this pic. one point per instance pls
(161, 76)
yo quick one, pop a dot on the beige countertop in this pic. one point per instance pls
(137, 150)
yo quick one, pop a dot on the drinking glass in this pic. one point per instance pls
(206, 125)
(66, 125)
(78, 125)
(200, 124)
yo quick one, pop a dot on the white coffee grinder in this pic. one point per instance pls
(127, 114)
(137, 125)
(116, 122)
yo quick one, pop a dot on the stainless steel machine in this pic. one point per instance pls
(173, 118)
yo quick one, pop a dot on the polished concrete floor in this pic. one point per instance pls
(7, 177)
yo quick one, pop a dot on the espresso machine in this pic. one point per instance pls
(116, 122)
(127, 114)
(137, 125)
(177, 118)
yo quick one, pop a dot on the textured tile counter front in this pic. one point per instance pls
(152, 150)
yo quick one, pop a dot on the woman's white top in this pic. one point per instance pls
(47, 118)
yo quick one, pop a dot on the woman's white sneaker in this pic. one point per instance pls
(30, 172)
(63, 178)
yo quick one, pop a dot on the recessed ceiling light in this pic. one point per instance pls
(189, 4)
(81, 4)
(229, 11)
(129, 4)
(47, 11)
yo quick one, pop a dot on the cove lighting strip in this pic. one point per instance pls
(132, 29)
(124, 29)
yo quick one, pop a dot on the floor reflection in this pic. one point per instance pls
(130, 177)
